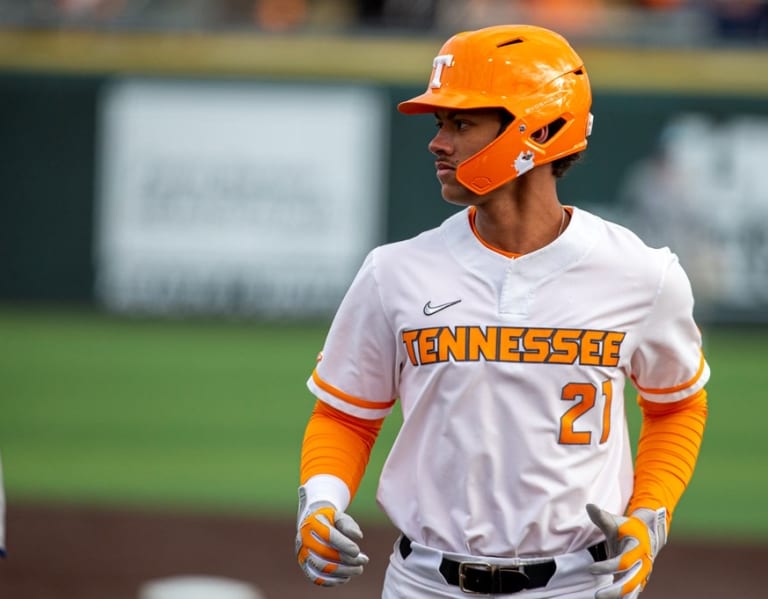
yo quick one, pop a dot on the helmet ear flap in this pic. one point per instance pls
(511, 154)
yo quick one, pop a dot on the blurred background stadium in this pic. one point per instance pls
(188, 186)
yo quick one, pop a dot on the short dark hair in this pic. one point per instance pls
(562, 165)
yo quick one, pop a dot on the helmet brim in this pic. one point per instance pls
(430, 102)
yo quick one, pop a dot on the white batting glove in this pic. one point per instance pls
(326, 543)
(633, 544)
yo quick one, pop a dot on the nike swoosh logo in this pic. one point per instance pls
(429, 309)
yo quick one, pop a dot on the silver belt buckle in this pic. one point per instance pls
(477, 565)
(521, 578)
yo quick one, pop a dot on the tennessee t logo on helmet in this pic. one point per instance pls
(443, 60)
(493, 68)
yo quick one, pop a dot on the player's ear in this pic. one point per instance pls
(541, 135)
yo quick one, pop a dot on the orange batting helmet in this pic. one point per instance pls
(532, 73)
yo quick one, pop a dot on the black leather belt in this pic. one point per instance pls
(488, 579)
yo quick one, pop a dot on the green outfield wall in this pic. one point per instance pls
(51, 85)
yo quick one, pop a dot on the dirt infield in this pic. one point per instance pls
(79, 553)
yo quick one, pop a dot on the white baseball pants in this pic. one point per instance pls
(418, 577)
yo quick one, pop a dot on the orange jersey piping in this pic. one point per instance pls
(350, 399)
(681, 387)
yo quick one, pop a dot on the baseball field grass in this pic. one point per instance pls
(208, 415)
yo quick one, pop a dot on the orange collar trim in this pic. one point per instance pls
(473, 213)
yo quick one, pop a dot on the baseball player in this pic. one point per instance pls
(508, 334)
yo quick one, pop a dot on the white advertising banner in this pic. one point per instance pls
(703, 193)
(231, 197)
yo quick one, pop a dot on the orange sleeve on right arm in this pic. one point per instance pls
(668, 448)
(338, 444)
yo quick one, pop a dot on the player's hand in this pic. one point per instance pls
(326, 545)
(633, 544)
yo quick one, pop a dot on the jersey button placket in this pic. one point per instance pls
(516, 295)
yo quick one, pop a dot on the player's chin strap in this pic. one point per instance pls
(633, 543)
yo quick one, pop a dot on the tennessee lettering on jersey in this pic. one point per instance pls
(472, 343)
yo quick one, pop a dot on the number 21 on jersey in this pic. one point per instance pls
(585, 397)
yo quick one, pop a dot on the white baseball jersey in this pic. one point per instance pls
(511, 375)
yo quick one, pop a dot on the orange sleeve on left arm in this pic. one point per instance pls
(668, 447)
(339, 444)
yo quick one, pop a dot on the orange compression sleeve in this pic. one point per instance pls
(668, 447)
(339, 444)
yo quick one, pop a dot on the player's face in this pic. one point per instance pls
(459, 136)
